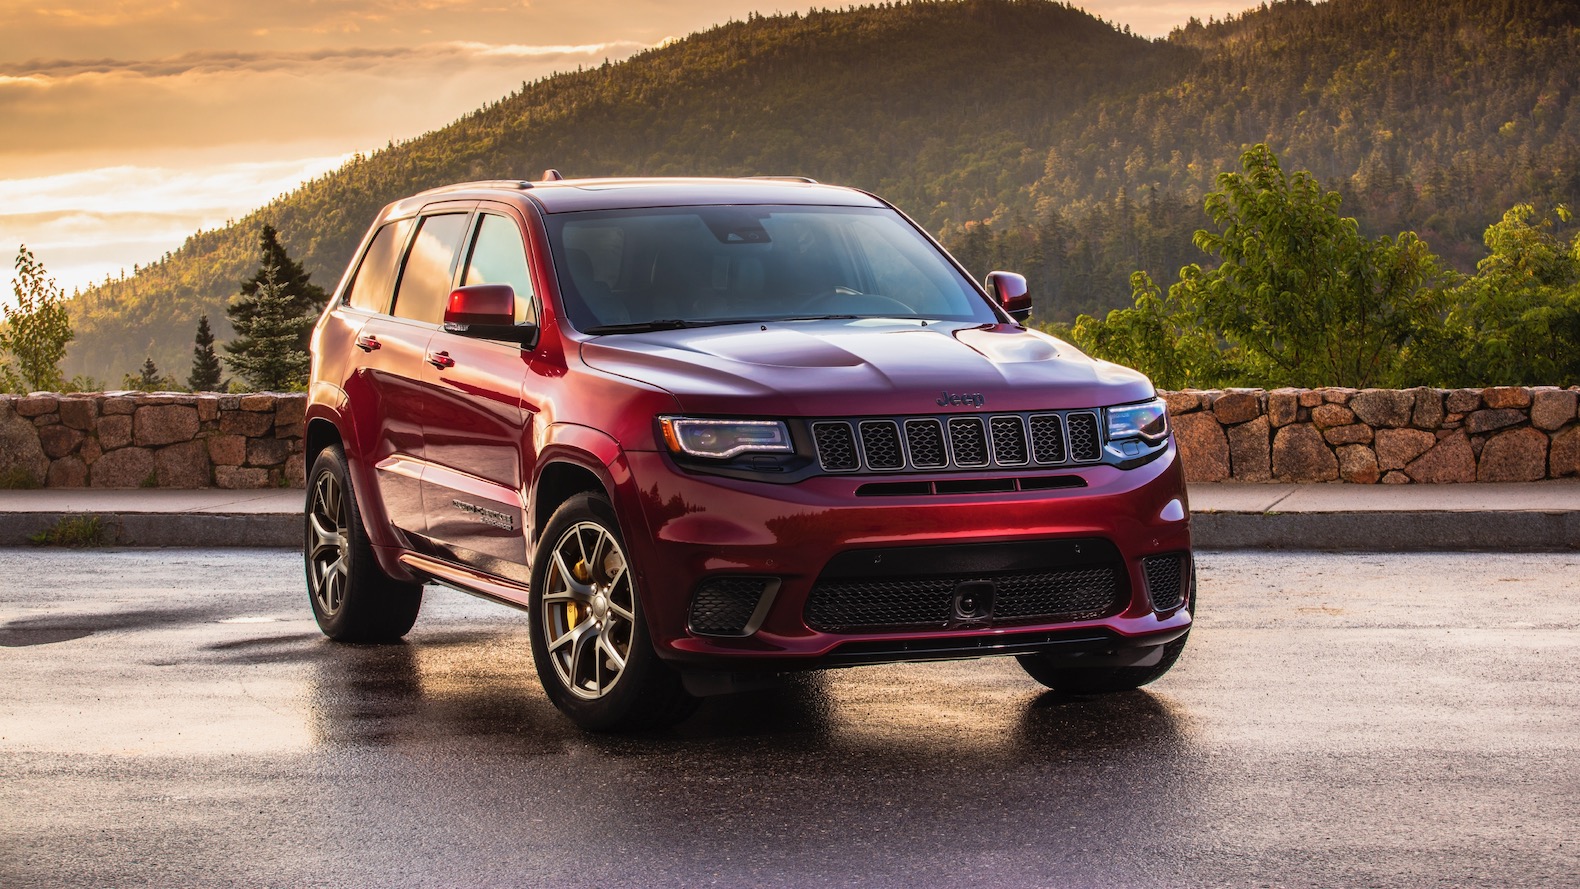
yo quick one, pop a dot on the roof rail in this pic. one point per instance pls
(485, 183)
(552, 175)
(807, 179)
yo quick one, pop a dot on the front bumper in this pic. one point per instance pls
(701, 528)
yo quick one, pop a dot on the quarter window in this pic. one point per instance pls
(375, 278)
(430, 267)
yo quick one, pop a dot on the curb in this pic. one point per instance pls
(1369, 531)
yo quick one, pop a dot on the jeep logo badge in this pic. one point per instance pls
(970, 399)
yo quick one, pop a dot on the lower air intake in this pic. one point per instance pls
(726, 606)
(1166, 580)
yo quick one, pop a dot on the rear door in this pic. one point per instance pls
(477, 433)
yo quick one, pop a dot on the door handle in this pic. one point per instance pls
(368, 342)
(441, 360)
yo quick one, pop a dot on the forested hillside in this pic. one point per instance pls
(1028, 134)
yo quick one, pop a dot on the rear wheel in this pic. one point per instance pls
(589, 637)
(353, 599)
(1059, 675)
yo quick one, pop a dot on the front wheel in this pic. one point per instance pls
(353, 599)
(589, 637)
(1059, 675)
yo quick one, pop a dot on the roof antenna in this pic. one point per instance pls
(552, 175)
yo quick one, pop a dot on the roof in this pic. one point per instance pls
(571, 195)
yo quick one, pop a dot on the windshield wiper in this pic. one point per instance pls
(664, 324)
(819, 318)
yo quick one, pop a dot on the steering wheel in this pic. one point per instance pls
(845, 300)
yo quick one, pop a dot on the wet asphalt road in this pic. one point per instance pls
(173, 718)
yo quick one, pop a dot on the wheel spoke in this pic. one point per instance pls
(573, 587)
(570, 635)
(616, 658)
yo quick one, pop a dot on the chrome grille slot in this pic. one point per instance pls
(836, 447)
(926, 440)
(1047, 439)
(1009, 441)
(880, 444)
(1086, 445)
(968, 441)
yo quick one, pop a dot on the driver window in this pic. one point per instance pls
(499, 256)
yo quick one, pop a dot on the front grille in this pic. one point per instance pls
(1165, 580)
(723, 606)
(883, 444)
(1083, 593)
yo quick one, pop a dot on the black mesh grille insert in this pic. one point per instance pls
(1050, 595)
(1047, 439)
(968, 440)
(836, 446)
(880, 443)
(926, 438)
(1085, 445)
(1165, 580)
(1009, 440)
(724, 605)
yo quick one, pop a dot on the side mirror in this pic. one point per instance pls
(487, 311)
(1009, 290)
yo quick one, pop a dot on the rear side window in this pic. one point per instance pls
(371, 288)
(499, 257)
(430, 267)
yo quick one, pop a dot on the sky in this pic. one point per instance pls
(126, 125)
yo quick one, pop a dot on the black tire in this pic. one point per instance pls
(1058, 675)
(589, 634)
(353, 599)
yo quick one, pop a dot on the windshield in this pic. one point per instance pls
(625, 270)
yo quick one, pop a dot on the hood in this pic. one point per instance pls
(865, 367)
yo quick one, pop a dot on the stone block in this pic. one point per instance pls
(122, 468)
(1449, 460)
(1428, 412)
(1358, 464)
(267, 451)
(1309, 397)
(1519, 455)
(1250, 452)
(115, 432)
(1326, 416)
(295, 471)
(78, 413)
(240, 477)
(1182, 402)
(227, 450)
(20, 448)
(293, 431)
(1204, 450)
(1237, 406)
(46, 420)
(117, 405)
(1506, 397)
(1563, 459)
(1355, 433)
(35, 405)
(1381, 408)
(183, 465)
(58, 441)
(1552, 408)
(90, 451)
(1463, 401)
(1396, 448)
(249, 423)
(260, 401)
(67, 472)
(164, 424)
(1338, 394)
(1489, 420)
(1300, 455)
(1283, 406)
(290, 409)
(208, 408)
(1396, 478)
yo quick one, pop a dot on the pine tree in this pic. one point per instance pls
(36, 329)
(205, 376)
(147, 379)
(294, 282)
(268, 333)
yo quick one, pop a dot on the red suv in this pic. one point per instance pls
(707, 431)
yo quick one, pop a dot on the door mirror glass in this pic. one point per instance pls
(486, 311)
(1009, 291)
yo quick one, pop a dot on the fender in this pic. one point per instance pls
(327, 402)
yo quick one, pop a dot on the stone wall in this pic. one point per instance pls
(162, 439)
(1508, 433)
(1370, 436)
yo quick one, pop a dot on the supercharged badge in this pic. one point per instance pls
(486, 516)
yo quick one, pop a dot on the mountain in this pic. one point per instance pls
(1027, 134)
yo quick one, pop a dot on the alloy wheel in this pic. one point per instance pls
(589, 610)
(328, 556)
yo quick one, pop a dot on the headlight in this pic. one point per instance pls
(1148, 420)
(722, 439)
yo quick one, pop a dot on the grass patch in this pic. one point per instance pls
(18, 479)
(78, 531)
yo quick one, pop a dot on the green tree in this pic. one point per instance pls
(36, 329)
(266, 350)
(1517, 320)
(304, 297)
(147, 379)
(205, 376)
